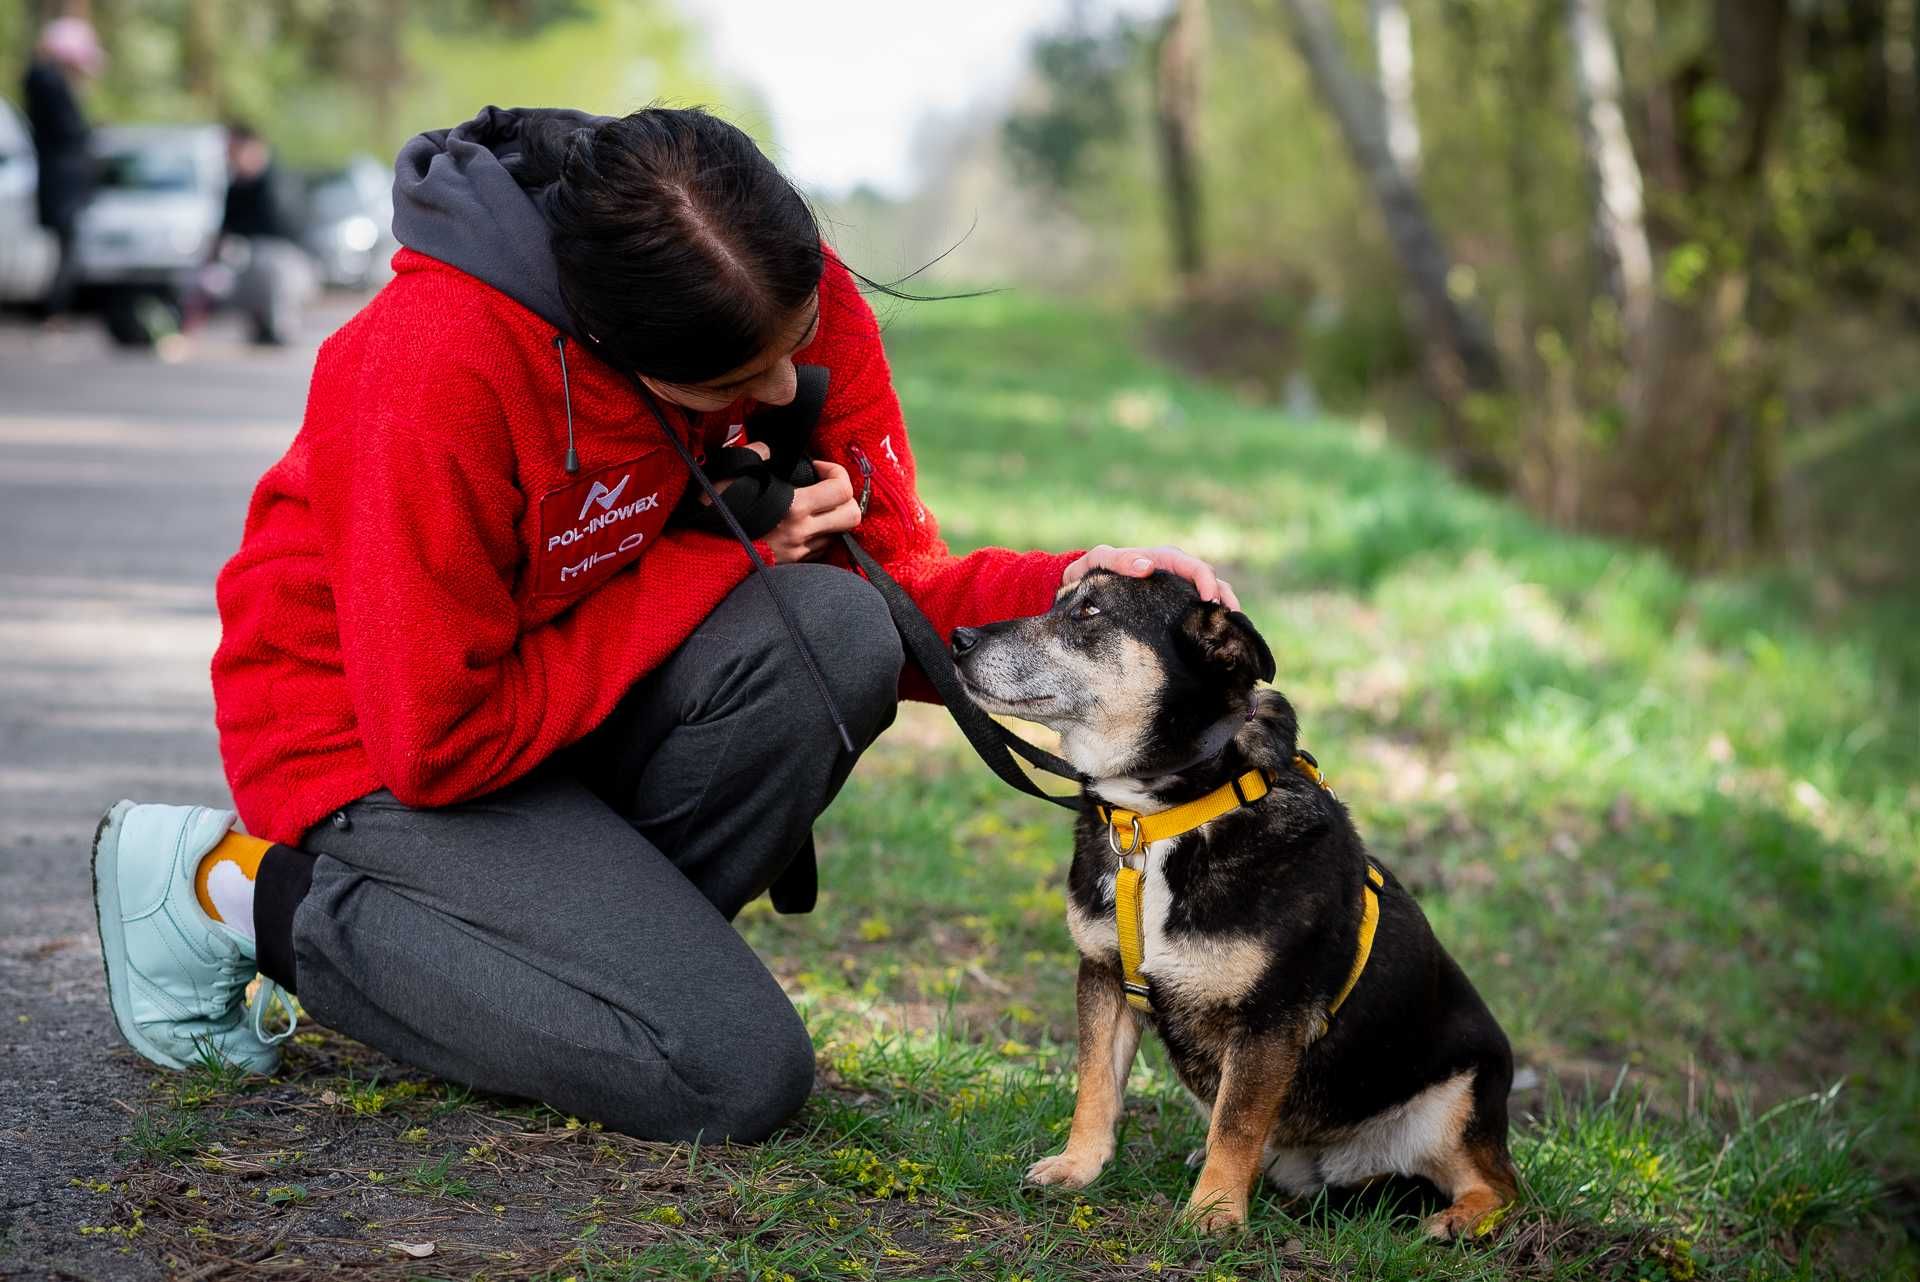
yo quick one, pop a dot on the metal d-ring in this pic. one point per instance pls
(1138, 846)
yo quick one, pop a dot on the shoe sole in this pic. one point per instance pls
(113, 935)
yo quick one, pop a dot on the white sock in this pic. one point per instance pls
(232, 893)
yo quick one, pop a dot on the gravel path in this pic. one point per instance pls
(123, 485)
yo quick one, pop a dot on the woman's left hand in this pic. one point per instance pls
(1140, 562)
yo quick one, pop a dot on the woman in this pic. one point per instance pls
(525, 743)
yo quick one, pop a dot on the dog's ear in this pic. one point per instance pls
(1224, 640)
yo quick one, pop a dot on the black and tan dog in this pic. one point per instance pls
(1220, 892)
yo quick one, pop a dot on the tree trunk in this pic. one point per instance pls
(1179, 57)
(1393, 59)
(1619, 221)
(1699, 462)
(1548, 460)
(1901, 50)
(384, 63)
(1461, 354)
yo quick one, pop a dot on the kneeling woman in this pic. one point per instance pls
(526, 743)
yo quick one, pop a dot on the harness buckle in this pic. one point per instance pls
(1137, 846)
(1315, 773)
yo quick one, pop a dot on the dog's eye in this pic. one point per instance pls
(1085, 610)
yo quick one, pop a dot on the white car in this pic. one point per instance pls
(156, 210)
(29, 253)
(349, 223)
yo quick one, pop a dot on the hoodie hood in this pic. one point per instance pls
(455, 198)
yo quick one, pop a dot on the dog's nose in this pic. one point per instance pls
(964, 639)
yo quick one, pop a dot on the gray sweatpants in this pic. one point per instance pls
(567, 938)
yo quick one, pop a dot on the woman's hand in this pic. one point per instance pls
(819, 511)
(1140, 562)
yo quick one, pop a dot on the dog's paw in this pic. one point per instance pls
(1465, 1219)
(1068, 1169)
(1215, 1215)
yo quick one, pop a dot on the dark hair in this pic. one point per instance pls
(683, 251)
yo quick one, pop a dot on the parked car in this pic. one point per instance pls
(28, 252)
(156, 209)
(152, 223)
(349, 227)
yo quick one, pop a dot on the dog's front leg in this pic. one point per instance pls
(1109, 1036)
(1255, 1075)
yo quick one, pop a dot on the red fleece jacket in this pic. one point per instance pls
(424, 600)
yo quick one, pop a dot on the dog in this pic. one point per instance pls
(1302, 997)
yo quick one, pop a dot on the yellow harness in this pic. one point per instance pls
(1130, 833)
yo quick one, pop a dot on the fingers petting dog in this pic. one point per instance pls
(1256, 1074)
(1109, 1037)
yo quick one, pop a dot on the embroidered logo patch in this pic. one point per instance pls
(605, 497)
(595, 525)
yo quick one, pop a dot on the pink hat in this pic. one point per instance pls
(71, 43)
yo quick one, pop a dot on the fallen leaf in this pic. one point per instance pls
(418, 1250)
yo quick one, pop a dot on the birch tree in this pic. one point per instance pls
(1461, 353)
(1179, 61)
(1619, 219)
(1393, 59)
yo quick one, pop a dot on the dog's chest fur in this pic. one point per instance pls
(1191, 969)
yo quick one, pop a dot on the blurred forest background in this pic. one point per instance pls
(1649, 264)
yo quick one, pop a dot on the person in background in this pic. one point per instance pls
(67, 52)
(257, 206)
(272, 277)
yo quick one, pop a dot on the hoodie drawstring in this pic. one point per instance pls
(733, 524)
(566, 395)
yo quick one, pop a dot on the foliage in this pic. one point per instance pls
(329, 78)
(1771, 210)
(619, 58)
(1083, 108)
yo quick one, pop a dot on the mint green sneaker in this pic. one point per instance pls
(176, 977)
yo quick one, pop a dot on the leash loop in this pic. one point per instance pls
(1136, 845)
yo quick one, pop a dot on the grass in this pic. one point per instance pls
(437, 1179)
(162, 1135)
(1668, 825)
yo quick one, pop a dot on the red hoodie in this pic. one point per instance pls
(424, 600)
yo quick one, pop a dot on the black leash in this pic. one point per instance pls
(995, 744)
(761, 492)
(732, 519)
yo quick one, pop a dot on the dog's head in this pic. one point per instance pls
(1133, 673)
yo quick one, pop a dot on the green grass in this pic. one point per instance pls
(161, 1135)
(1667, 825)
(912, 1169)
(438, 1178)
